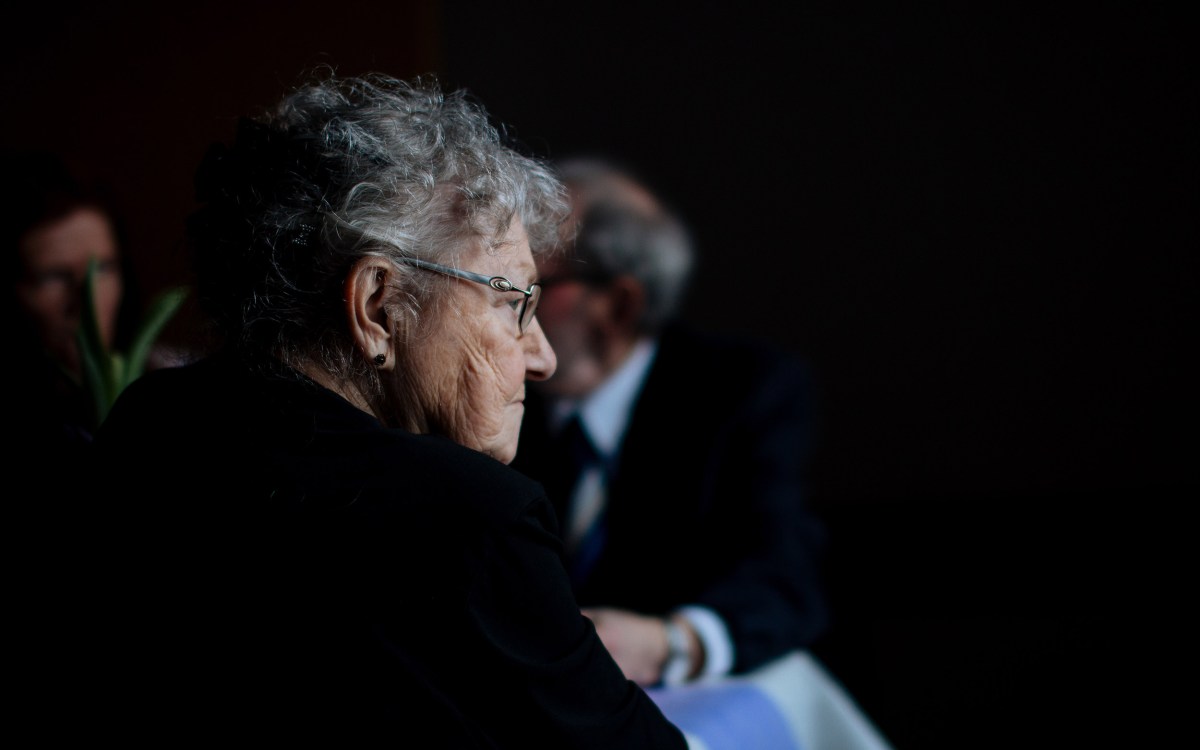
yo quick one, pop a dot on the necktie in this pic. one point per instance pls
(584, 533)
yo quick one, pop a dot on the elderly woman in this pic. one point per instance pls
(318, 534)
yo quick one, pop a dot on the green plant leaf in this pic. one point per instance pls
(104, 373)
(95, 371)
(160, 312)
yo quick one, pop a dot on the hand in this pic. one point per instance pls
(638, 643)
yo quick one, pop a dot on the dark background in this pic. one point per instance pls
(978, 222)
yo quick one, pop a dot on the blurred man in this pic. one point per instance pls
(676, 460)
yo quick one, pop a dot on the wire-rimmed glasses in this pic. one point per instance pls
(529, 302)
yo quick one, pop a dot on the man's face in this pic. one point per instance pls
(56, 256)
(572, 315)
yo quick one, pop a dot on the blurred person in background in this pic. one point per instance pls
(54, 226)
(675, 459)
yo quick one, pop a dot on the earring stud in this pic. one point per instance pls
(380, 359)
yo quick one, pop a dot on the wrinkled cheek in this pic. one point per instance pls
(481, 388)
(450, 384)
(489, 420)
(431, 385)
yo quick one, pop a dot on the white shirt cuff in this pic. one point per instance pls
(714, 636)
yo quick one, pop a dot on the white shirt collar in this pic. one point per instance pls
(606, 412)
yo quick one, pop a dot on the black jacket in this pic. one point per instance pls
(279, 565)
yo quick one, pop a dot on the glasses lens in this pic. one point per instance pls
(530, 308)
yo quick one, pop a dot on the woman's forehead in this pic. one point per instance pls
(510, 251)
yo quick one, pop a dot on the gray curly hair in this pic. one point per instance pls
(342, 168)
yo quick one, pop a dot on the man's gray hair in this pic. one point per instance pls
(623, 229)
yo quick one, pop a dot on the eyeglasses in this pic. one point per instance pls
(528, 303)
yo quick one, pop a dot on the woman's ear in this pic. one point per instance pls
(364, 291)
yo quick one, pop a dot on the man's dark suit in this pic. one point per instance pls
(708, 502)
